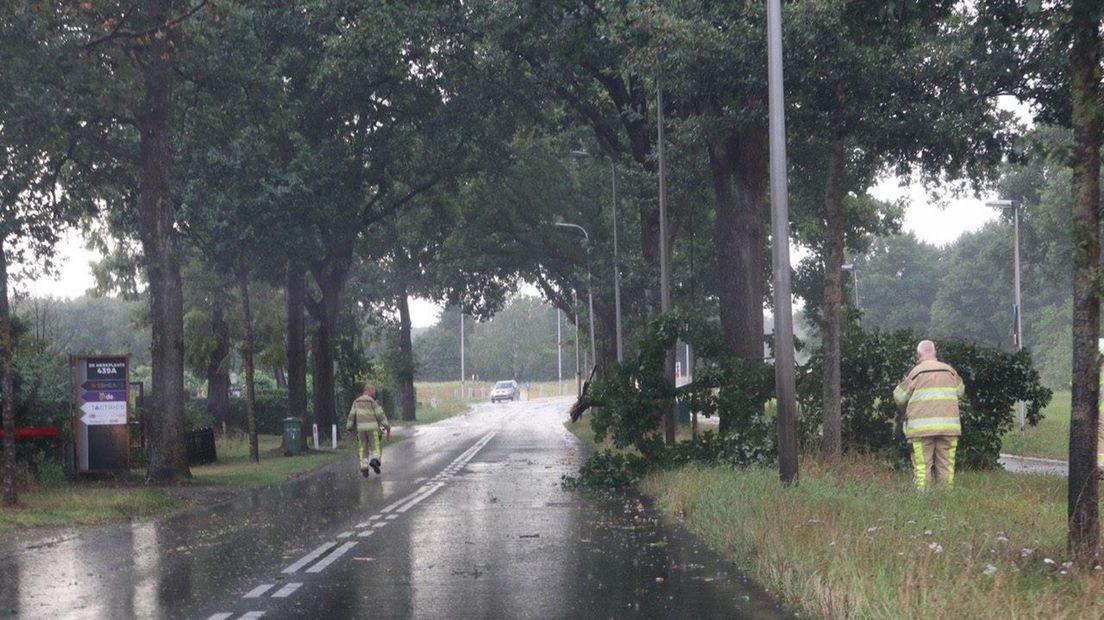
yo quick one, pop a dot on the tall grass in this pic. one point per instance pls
(857, 541)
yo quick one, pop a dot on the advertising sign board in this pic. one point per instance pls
(100, 431)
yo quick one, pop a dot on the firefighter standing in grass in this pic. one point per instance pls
(368, 421)
(929, 395)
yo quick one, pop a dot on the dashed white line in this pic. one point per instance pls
(414, 502)
(222, 616)
(365, 534)
(392, 516)
(310, 557)
(251, 615)
(379, 525)
(287, 590)
(329, 559)
(344, 534)
(259, 590)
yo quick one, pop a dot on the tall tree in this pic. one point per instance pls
(1087, 118)
(119, 70)
(35, 157)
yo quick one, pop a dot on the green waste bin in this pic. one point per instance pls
(293, 437)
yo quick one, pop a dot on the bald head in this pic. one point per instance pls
(925, 351)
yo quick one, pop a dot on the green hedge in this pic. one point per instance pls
(873, 363)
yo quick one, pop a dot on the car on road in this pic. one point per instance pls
(505, 390)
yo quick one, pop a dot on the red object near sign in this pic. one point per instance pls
(35, 431)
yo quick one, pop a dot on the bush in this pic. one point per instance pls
(631, 402)
(272, 408)
(634, 398)
(873, 363)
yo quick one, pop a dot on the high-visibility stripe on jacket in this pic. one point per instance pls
(929, 393)
(366, 414)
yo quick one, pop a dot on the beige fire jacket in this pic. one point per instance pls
(929, 394)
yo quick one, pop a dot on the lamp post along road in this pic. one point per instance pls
(462, 373)
(559, 351)
(1017, 327)
(854, 271)
(578, 363)
(616, 268)
(780, 227)
(670, 418)
(580, 155)
(590, 290)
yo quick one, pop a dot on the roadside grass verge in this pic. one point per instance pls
(235, 468)
(88, 504)
(855, 540)
(1050, 439)
(91, 502)
(428, 414)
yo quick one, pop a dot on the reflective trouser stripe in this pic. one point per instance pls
(919, 466)
(951, 461)
(376, 439)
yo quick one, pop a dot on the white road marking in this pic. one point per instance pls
(365, 534)
(329, 559)
(252, 615)
(419, 498)
(344, 534)
(379, 525)
(222, 616)
(287, 590)
(310, 557)
(389, 517)
(259, 590)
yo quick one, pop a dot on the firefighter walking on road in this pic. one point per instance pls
(368, 421)
(929, 395)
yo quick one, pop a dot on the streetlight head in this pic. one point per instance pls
(558, 221)
(847, 267)
(1002, 204)
(578, 155)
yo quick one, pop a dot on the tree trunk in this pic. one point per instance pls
(296, 344)
(1083, 510)
(247, 356)
(218, 376)
(7, 391)
(833, 300)
(325, 312)
(405, 371)
(738, 167)
(168, 457)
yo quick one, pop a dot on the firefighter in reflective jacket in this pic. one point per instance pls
(929, 395)
(368, 421)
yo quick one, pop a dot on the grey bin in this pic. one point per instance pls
(293, 437)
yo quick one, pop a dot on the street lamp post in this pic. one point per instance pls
(559, 351)
(780, 221)
(1016, 309)
(854, 270)
(578, 155)
(590, 291)
(462, 374)
(578, 364)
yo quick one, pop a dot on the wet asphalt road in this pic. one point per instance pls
(469, 520)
